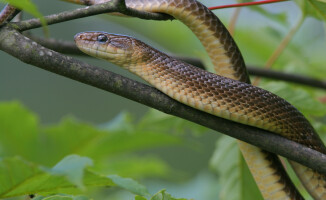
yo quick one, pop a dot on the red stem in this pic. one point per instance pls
(246, 4)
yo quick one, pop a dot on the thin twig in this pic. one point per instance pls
(68, 15)
(61, 46)
(32, 53)
(267, 73)
(143, 15)
(233, 20)
(112, 6)
(283, 44)
(246, 4)
(294, 78)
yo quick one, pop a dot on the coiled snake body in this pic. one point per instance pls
(225, 96)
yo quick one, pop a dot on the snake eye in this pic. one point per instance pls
(102, 38)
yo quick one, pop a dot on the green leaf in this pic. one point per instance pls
(235, 178)
(73, 167)
(142, 166)
(123, 142)
(122, 122)
(129, 185)
(72, 136)
(163, 195)
(29, 7)
(140, 198)
(81, 138)
(313, 8)
(278, 17)
(113, 150)
(19, 177)
(58, 197)
(160, 122)
(18, 130)
(61, 197)
(320, 7)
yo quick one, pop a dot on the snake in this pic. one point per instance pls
(227, 94)
(208, 92)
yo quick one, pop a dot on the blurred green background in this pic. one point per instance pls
(53, 97)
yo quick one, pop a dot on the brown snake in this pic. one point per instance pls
(220, 96)
(214, 94)
(202, 90)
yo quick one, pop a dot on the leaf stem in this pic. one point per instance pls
(111, 6)
(286, 40)
(246, 4)
(233, 20)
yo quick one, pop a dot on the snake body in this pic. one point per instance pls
(227, 59)
(203, 90)
(220, 96)
(231, 99)
(6, 13)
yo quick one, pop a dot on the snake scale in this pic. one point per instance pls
(225, 96)
(6, 13)
(228, 94)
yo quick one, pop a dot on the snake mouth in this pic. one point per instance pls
(111, 56)
(97, 52)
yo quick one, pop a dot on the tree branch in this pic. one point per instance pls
(28, 51)
(61, 46)
(119, 6)
(109, 7)
(294, 78)
(141, 14)
(68, 47)
(267, 73)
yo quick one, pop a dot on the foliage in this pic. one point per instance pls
(29, 7)
(314, 8)
(234, 173)
(108, 150)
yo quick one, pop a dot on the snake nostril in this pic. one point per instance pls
(78, 36)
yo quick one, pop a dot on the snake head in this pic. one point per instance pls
(118, 49)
